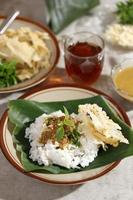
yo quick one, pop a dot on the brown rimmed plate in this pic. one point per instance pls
(59, 92)
(52, 45)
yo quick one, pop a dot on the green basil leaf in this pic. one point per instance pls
(66, 111)
(60, 133)
(69, 122)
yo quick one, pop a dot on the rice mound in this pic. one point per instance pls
(71, 156)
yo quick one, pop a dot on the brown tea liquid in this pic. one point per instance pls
(83, 63)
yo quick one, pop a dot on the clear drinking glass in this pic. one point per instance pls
(84, 55)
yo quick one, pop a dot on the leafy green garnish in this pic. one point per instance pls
(8, 74)
(60, 133)
(74, 137)
(125, 12)
(66, 111)
(67, 120)
(66, 128)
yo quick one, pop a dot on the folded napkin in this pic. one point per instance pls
(63, 12)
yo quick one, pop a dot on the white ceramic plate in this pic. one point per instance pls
(56, 93)
(53, 46)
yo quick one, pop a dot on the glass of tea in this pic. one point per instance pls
(84, 55)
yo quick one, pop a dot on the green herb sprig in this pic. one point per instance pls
(125, 12)
(8, 74)
(60, 133)
(72, 134)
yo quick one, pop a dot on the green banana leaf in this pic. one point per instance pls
(23, 112)
(63, 12)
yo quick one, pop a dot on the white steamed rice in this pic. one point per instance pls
(70, 157)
